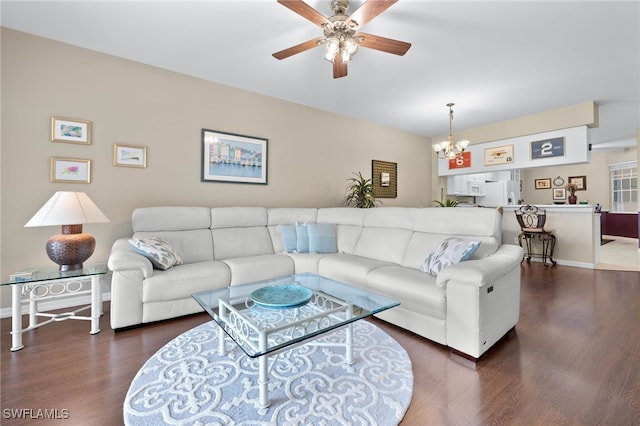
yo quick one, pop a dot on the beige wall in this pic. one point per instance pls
(311, 152)
(597, 173)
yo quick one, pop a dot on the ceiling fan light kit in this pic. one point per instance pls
(341, 38)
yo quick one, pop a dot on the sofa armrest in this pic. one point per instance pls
(124, 258)
(483, 300)
(483, 271)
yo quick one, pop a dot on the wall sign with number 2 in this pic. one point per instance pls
(547, 148)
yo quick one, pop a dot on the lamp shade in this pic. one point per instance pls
(67, 208)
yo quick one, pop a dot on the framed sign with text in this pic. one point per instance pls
(547, 148)
(498, 155)
(461, 162)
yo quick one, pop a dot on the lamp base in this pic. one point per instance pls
(71, 248)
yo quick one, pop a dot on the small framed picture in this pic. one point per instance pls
(70, 130)
(70, 170)
(543, 183)
(579, 181)
(559, 194)
(129, 156)
(384, 178)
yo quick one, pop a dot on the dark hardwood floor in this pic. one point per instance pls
(573, 360)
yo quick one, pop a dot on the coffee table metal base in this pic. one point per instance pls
(245, 330)
(264, 369)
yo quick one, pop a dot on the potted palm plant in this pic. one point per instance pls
(359, 192)
(448, 203)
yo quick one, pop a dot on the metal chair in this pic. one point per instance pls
(532, 220)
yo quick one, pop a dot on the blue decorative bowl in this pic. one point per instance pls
(281, 296)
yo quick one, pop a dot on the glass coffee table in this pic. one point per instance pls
(267, 317)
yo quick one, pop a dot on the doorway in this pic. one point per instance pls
(619, 254)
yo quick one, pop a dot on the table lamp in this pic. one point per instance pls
(70, 210)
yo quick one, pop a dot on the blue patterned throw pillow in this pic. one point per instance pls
(302, 235)
(322, 238)
(289, 238)
(161, 254)
(450, 251)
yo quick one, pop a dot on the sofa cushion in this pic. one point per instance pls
(239, 242)
(450, 251)
(322, 238)
(419, 246)
(149, 219)
(348, 268)
(184, 280)
(256, 268)
(387, 244)
(416, 291)
(236, 217)
(390, 217)
(342, 216)
(282, 216)
(161, 254)
(195, 245)
(306, 262)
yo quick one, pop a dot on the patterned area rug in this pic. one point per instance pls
(187, 383)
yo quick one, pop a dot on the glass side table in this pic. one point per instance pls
(46, 284)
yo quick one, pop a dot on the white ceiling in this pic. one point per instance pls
(497, 60)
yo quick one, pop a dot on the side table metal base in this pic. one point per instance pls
(29, 291)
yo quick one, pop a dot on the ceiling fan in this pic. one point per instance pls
(341, 37)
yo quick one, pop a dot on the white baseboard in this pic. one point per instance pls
(51, 305)
(568, 263)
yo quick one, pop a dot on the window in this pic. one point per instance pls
(624, 186)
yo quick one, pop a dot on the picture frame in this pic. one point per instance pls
(233, 158)
(498, 155)
(579, 181)
(129, 156)
(71, 130)
(543, 183)
(70, 170)
(559, 194)
(384, 177)
(547, 148)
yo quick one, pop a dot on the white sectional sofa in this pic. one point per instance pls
(469, 305)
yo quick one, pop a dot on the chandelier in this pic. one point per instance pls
(340, 34)
(448, 149)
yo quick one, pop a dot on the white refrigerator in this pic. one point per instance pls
(502, 193)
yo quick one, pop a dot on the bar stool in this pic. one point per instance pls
(531, 220)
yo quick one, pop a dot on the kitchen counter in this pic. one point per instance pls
(576, 227)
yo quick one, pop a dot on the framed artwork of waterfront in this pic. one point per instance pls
(229, 157)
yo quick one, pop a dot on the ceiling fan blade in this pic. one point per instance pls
(298, 48)
(369, 10)
(339, 68)
(384, 44)
(304, 10)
